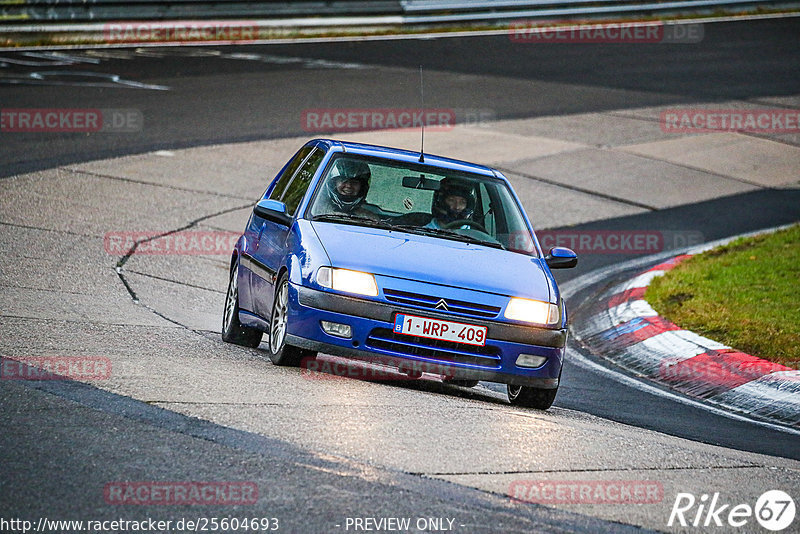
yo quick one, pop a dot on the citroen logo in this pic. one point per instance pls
(441, 305)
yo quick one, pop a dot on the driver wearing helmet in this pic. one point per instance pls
(453, 201)
(347, 187)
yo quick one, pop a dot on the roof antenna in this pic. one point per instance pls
(422, 98)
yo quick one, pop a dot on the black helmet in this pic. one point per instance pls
(452, 187)
(348, 169)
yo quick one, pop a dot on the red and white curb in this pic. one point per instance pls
(627, 331)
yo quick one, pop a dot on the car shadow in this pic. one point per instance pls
(326, 367)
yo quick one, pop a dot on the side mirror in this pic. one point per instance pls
(561, 258)
(272, 210)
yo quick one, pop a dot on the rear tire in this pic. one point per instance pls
(279, 352)
(232, 330)
(531, 397)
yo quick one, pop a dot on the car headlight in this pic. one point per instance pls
(347, 281)
(532, 311)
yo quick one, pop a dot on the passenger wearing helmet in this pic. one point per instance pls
(453, 201)
(346, 188)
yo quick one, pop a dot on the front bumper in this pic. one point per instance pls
(373, 340)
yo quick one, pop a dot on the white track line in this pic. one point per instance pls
(580, 360)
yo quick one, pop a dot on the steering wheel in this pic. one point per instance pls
(465, 222)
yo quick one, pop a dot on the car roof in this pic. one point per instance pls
(399, 154)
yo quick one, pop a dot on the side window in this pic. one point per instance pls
(297, 188)
(286, 177)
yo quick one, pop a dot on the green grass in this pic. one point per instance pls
(745, 294)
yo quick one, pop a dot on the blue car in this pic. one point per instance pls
(406, 259)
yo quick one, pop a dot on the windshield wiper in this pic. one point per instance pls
(447, 234)
(352, 219)
(436, 232)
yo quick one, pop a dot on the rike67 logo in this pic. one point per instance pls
(774, 510)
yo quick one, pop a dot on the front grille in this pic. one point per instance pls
(445, 351)
(429, 302)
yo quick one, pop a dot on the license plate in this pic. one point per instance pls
(437, 329)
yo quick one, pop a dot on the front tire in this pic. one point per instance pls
(232, 330)
(531, 397)
(279, 352)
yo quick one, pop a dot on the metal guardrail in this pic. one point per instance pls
(109, 10)
(578, 8)
(409, 11)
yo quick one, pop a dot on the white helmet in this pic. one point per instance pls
(348, 169)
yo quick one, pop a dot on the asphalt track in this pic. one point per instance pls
(213, 99)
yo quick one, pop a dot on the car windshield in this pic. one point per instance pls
(421, 199)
